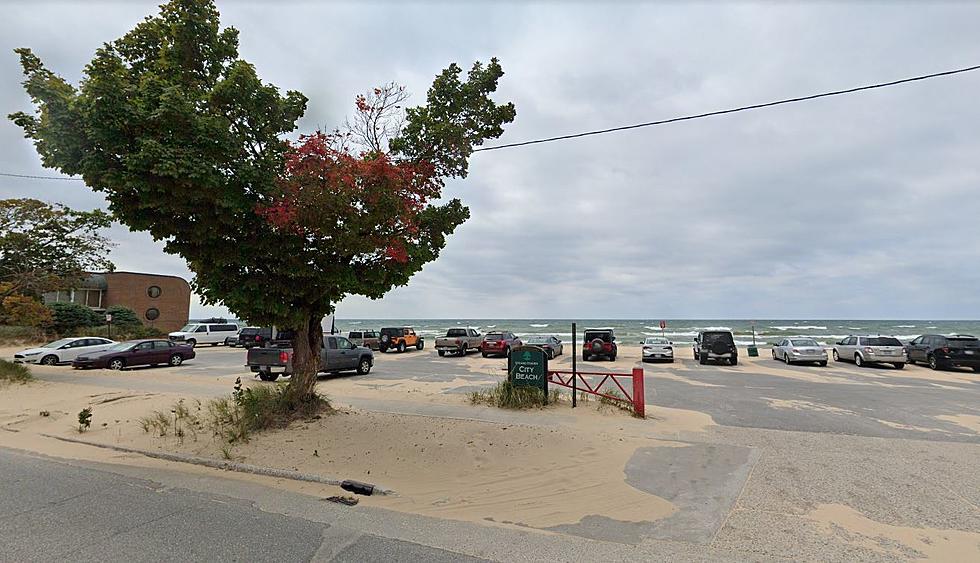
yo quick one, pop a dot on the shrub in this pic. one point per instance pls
(17, 373)
(119, 333)
(507, 396)
(27, 311)
(123, 317)
(84, 419)
(71, 316)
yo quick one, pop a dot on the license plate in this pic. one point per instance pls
(968, 352)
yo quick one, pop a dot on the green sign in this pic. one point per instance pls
(528, 367)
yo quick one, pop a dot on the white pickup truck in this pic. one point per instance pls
(459, 341)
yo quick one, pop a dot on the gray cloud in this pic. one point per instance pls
(856, 207)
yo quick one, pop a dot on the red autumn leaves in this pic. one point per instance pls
(365, 206)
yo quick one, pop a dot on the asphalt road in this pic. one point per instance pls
(51, 510)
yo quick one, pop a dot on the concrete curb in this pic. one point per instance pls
(222, 464)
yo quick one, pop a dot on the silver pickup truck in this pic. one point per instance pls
(338, 354)
(459, 341)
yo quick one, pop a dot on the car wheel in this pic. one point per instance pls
(933, 362)
(267, 376)
(176, 360)
(49, 360)
(117, 364)
(774, 354)
(786, 358)
(441, 353)
(507, 352)
(976, 369)
(822, 364)
(836, 356)
(858, 360)
(733, 361)
(192, 343)
(213, 344)
(401, 347)
(420, 345)
(612, 358)
(702, 358)
(899, 365)
(484, 354)
(382, 348)
(364, 367)
(462, 351)
(585, 357)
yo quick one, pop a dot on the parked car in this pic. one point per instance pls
(599, 343)
(871, 350)
(137, 353)
(459, 341)
(62, 351)
(499, 343)
(799, 349)
(657, 348)
(204, 333)
(366, 338)
(400, 339)
(938, 351)
(251, 336)
(552, 346)
(715, 345)
(338, 354)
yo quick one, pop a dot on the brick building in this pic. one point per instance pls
(162, 302)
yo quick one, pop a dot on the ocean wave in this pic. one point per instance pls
(799, 327)
(538, 326)
(903, 326)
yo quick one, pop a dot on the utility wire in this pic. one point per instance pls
(732, 110)
(39, 177)
(662, 121)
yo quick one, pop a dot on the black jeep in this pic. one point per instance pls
(599, 343)
(715, 345)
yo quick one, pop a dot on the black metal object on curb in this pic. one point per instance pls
(574, 367)
(356, 487)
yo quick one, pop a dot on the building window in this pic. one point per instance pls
(152, 314)
(153, 291)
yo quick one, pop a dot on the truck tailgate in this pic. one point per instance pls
(270, 357)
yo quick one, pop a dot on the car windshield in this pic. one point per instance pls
(495, 336)
(884, 341)
(711, 337)
(655, 341)
(188, 328)
(58, 343)
(804, 342)
(121, 347)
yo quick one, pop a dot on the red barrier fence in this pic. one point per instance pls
(634, 396)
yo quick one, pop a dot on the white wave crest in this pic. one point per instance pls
(799, 327)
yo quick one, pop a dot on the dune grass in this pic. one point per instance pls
(15, 373)
(507, 396)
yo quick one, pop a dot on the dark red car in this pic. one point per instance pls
(131, 353)
(499, 343)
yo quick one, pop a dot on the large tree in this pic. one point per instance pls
(46, 247)
(188, 144)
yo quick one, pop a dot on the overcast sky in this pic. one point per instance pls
(863, 206)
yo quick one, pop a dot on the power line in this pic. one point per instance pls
(39, 177)
(732, 110)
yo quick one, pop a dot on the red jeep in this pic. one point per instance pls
(499, 343)
(599, 343)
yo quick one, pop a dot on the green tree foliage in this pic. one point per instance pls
(67, 317)
(123, 316)
(186, 142)
(25, 310)
(44, 247)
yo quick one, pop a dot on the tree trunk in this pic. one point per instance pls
(307, 344)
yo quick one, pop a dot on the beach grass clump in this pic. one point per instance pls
(616, 400)
(179, 421)
(249, 410)
(505, 395)
(15, 373)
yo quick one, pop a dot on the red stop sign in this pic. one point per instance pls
(663, 325)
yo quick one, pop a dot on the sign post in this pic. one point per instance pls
(574, 370)
(753, 350)
(527, 366)
(663, 325)
(108, 324)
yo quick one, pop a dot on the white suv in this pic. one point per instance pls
(204, 333)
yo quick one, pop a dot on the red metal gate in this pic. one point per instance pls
(634, 396)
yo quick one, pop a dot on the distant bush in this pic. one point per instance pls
(122, 316)
(119, 333)
(23, 310)
(70, 316)
(17, 373)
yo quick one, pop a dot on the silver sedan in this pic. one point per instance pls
(791, 350)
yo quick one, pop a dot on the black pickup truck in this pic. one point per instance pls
(338, 354)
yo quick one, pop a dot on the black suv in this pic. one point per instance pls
(715, 345)
(956, 350)
(599, 343)
(252, 336)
